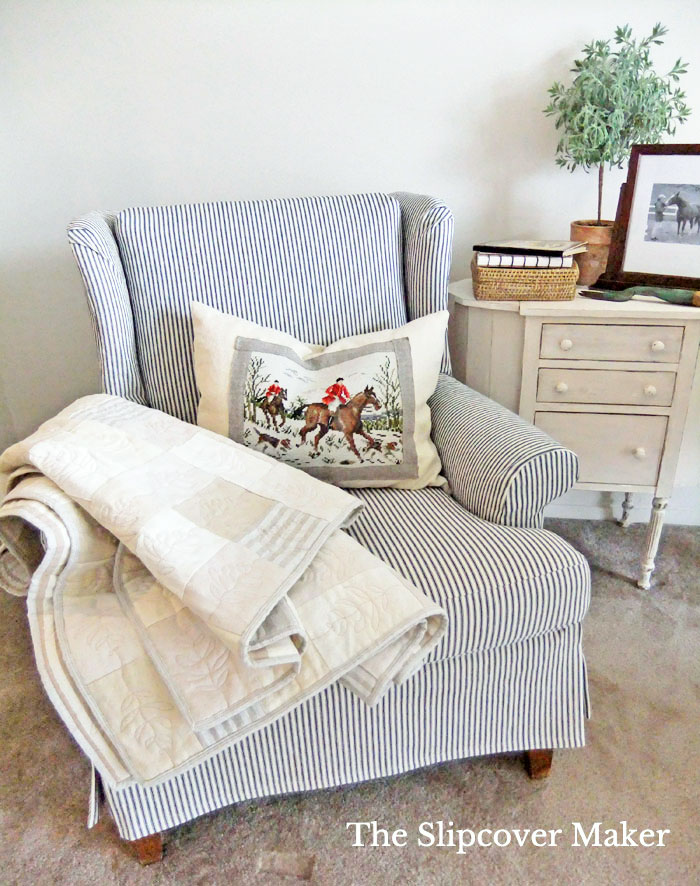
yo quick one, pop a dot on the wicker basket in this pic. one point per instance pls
(524, 284)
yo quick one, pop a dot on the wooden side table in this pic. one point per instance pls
(609, 380)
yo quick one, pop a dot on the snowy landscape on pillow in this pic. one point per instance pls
(348, 414)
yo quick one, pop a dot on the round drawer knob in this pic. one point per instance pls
(640, 452)
(650, 390)
(658, 346)
(561, 387)
(566, 344)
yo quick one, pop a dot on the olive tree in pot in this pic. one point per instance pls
(616, 100)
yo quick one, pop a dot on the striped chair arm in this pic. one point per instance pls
(499, 467)
(96, 253)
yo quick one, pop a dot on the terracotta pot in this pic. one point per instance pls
(598, 235)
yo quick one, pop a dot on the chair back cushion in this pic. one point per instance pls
(319, 268)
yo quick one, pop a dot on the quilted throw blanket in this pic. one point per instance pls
(184, 590)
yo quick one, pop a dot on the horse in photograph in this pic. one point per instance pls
(274, 407)
(347, 419)
(686, 213)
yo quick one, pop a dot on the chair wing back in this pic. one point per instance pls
(319, 268)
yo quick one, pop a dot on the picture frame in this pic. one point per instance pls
(656, 238)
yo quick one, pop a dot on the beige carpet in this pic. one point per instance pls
(641, 765)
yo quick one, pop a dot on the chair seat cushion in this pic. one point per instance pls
(497, 584)
(319, 268)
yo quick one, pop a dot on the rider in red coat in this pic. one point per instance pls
(273, 390)
(338, 391)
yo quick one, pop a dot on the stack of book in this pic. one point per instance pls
(525, 269)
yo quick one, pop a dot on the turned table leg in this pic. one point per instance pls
(148, 849)
(538, 763)
(658, 512)
(626, 508)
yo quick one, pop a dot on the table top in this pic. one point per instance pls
(639, 307)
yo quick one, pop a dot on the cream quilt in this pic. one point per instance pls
(184, 590)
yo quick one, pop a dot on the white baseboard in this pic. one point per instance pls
(580, 504)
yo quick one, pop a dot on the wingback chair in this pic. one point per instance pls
(509, 676)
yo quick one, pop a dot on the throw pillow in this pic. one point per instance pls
(354, 413)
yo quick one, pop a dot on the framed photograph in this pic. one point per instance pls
(656, 239)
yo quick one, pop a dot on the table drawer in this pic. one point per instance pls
(622, 449)
(586, 341)
(616, 386)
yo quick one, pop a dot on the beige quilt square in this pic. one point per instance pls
(136, 705)
(226, 508)
(100, 637)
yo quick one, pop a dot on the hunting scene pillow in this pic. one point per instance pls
(354, 413)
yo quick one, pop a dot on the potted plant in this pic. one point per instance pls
(616, 100)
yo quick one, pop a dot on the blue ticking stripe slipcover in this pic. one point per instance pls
(498, 585)
(514, 677)
(320, 268)
(498, 466)
(427, 234)
(510, 673)
(531, 694)
(100, 265)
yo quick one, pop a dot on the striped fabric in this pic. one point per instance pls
(522, 685)
(510, 674)
(427, 234)
(530, 694)
(499, 467)
(498, 585)
(110, 307)
(320, 268)
(300, 259)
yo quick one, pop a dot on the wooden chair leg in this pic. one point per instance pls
(148, 849)
(538, 763)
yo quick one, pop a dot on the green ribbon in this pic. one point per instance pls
(673, 296)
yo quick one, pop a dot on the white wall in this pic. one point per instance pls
(108, 104)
